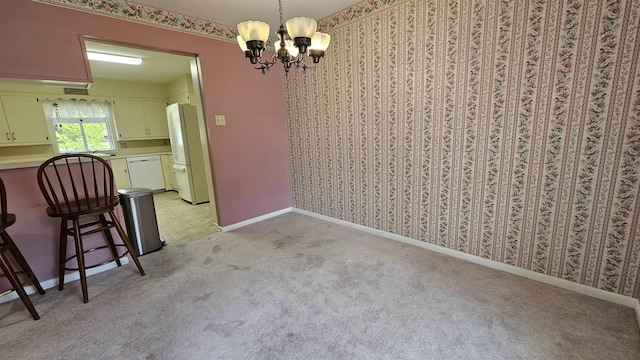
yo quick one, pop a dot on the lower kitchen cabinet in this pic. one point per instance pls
(120, 173)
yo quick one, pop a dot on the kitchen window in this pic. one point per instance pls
(80, 125)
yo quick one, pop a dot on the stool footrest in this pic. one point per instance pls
(108, 225)
(100, 264)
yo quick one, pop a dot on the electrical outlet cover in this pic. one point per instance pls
(220, 120)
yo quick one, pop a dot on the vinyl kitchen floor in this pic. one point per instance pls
(179, 221)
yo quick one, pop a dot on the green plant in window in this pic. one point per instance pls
(97, 136)
(69, 137)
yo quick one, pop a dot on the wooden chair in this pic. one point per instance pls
(8, 247)
(77, 187)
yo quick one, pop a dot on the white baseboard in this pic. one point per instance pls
(255, 220)
(638, 312)
(51, 283)
(547, 279)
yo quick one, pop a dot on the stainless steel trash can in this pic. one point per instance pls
(140, 219)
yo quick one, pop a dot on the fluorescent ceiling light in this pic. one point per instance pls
(114, 58)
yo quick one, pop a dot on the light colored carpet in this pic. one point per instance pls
(295, 287)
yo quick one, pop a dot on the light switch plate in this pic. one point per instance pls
(220, 120)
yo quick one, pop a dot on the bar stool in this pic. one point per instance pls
(8, 247)
(76, 187)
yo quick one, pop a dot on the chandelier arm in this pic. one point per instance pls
(304, 67)
(267, 63)
(300, 59)
(263, 69)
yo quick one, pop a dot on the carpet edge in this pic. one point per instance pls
(547, 279)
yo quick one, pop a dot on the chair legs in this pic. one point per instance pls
(62, 257)
(126, 242)
(76, 231)
(7, 269)
(112, 245)
(77, 237)
(22, 262)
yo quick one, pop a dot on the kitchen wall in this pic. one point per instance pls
(104, 89)
(509, 130)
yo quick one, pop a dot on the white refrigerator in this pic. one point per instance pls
(188, 153)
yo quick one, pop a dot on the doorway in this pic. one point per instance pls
(178, 75)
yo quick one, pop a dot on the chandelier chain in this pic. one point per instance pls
(281, 16)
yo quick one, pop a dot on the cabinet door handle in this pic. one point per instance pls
(13, 135)
(8, 137)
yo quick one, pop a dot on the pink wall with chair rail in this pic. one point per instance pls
(248, 156)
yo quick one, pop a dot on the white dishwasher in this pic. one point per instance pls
(146, 172)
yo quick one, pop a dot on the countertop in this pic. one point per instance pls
(6, 164)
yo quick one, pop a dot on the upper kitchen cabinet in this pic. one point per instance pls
(22, 121)
(141, 119)
(155, 114)
(181, 90)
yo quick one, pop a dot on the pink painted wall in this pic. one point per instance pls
(249, 154)
(34, 232)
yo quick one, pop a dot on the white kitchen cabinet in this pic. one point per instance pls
(22, 121)
(4, 128)
(129, 118)
(120, 173)
(155, 115)
(141, 119)
(185, 98)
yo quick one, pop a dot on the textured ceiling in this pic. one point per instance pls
(232, 12)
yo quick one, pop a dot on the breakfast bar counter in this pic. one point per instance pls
(35, 233)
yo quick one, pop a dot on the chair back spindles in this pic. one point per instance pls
(54, 193)
(94, 183)
(84, 186)
(77, 183)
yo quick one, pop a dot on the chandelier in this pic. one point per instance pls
(299, 40)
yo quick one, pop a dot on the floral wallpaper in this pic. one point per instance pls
(506, 129)
(145, 14)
